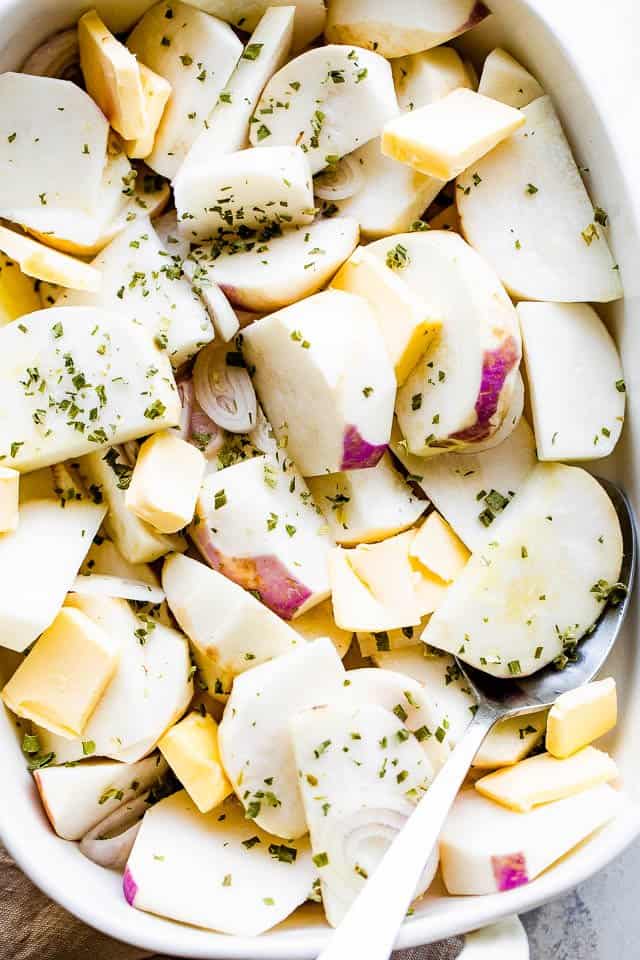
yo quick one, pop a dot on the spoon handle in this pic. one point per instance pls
(372, 923)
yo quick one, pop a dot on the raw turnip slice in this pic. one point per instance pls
(215, 870)
(221, 313)
(371, 644)
(361, 506)
(54, 145)
(577, 388)
(355, 607)
(38, 260)
(142, 281)
(471, 489)
(360, 774)
(104, 585)
(246, 14)
(76, 798)
(37, 571)
(227, 128)
(110, 842)
(225, 624)
(504, 940)
(153, 673)
(255, 739)
(528, 595)
(504, 79)
(328, 101)
(485, 848)
(525, 208)
(425, 77)
(257, 524)
(196, 53)
(460, 392)
(280, 271)
(313, 350)
(250, 189)
(224, 390)
(401, 28)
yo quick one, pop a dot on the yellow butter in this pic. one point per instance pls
(437, 548)
(111, 76)
(59, 683)
(385, 569)
(38, 260)
(191, 750)
(166, 481)
(354, 606)
(581, 716)
(18, 293)
(9, 497)
(444, 138)
(407, 325)
(156, 92)
(544, 778)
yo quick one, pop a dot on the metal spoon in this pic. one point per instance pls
(371, 926)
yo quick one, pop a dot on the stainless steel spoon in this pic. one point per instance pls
(371, 926)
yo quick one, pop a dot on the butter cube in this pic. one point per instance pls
(543, 779)
(59, 683)
(166, 481)
(156, 92)
(111, 76)
(581, 716)
(437, 548)
(9, 495)
(407, 325)
(191, 750)
(18, 292)
(45, 263)
(443, 138)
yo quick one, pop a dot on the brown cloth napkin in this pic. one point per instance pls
(34, 928)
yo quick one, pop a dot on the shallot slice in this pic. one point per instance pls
(339, 181)
(58, 56)
(223, 388)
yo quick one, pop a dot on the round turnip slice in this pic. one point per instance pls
(460, 392)
(254, 736)
(215, 870)
(360, 774)
(328, 101)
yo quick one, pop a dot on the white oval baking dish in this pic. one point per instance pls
(584, 55)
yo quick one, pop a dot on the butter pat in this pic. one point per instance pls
(18, 293)
(581, 716)
(443, 138)
(61, 680)
(166, 481)
(9, 496)
(191, 750)
(544, 778)
(437, 548)
(156, 91)
(44, 263)
(111, 76)
(405, 321)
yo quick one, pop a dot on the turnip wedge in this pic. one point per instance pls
(577, 388)
(230, 631)
(313, 350)
(110, 842)
(360, 773)
(460, 392)
(255, 739)
(503, 78)
(54, 144)
(39, 261)
(471, 489)
(257, 524)
(528, 595)
(425, 77)
(263, 274)
(403, 27)
(525, 208)
(143, 281)
(196, 53)
(76, 798)
(215, 870)
(245, 15)
(106, 369)
(153, 673)
(328, 101)
(485, 848)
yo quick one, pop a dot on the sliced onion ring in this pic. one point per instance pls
(110, 842)
(58, 56)
(106, 585)
(185, 392)
(224, 391)
(339, 181)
